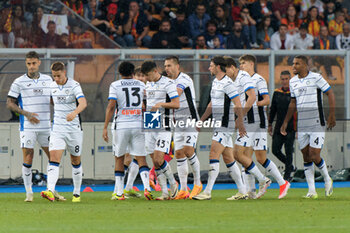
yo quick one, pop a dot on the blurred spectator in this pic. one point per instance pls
(329, 12)
(18, 26)
(198, 20)
(265, 32)
(237, 40)
(171, 8)
(51, 39)
(306, 4)
(281, 39)
(292, 20)
(7, 37)
(217, 43)
(165, 38)
(38, 33)
(335, 26)
(249, 27)
(346, 14)
(342, 41)
(259, 9)
(200, 42)
(280, 7)
(181, 28)
(136, 27)
(76, 6)
(313, 21)
(192, 5)
(65, 41)
(223, 21)
(211, 33)
(226, 7)
(324, 41)
(149, 9)
(79, 39)
(303, 40)
(92, 10)
(237, 8)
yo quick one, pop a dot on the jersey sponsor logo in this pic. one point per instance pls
(302, 91)
(152, 120)
(38, 91)
(61, 99)
(130, 112)
(151, 94)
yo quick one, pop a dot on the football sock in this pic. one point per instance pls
(235, 174)
(166, 169)
(77, 175)
(324, 171)
(27, 177)
(214, 167)
(144, 174)
(52, 175)
(252, 169)
(119, 182)
(271, 167)
(182, 171)
(309, 171)
(195, 165)
(133, 170)
(162, 181)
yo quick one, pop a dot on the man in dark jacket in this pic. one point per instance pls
(279, 106)
(237, 40)
(165, 38)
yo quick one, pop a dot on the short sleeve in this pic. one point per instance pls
(322, 84)
(262, 87)
(77, 91)
(246, 82)
(170, 89)
(231, 90)
(291, 88)
(15, 90)
(112, 93)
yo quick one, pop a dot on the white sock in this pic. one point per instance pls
(166, 169)
(27, 177)
(119, 183)
(133, 170)
(324, 171)
(196, 170)
(214, 168)
(249, 181)
(235, 174)
(77, 175)
(144, 173)
(162, 181)
(271, 167)
(252, 169)
(52, 175)
(309, 171)
(182, 171)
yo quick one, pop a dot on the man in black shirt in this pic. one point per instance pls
(279, 107)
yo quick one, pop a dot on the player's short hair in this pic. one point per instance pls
(32, 54)
(285, 72)
(173, 58)
(301, 57)
(126, 69)
(57, 66)
(138, 70)
(230, 61)
(148, 66)
(219, 61)
(248, 57)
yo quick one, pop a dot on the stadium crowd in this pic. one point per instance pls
(200, 24)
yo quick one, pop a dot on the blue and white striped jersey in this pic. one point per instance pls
(188, 109)
(260, 90)
(33, 96)
(129, 94)
(222, 93)
(65, 98)
(244, 82)
(308, 93)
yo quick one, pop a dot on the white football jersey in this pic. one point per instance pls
(244, 82)
(129, 94)
(308, 94)
(222, 93)
(161, 91)
(260, 90)
(33, 96)
(188, 109)
(65, 99)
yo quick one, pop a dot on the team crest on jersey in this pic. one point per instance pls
(308, 82)
(67, 92)
(43, 83)
(152, 120)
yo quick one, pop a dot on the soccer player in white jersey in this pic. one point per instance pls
(161, 96)
(246, 90)
(185, 139)
(69, 101)
(128, 94)
(306, 97)
(247, 63)
(32, 90)
(224, 105)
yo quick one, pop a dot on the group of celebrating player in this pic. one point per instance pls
(239, 98)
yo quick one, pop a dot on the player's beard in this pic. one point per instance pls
(33, 75)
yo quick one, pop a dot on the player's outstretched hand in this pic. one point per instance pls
(283, 129)
(71, 116)
(32, 117)
(331, 121)
(105, 135)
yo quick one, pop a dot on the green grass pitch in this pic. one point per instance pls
(97, 213)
